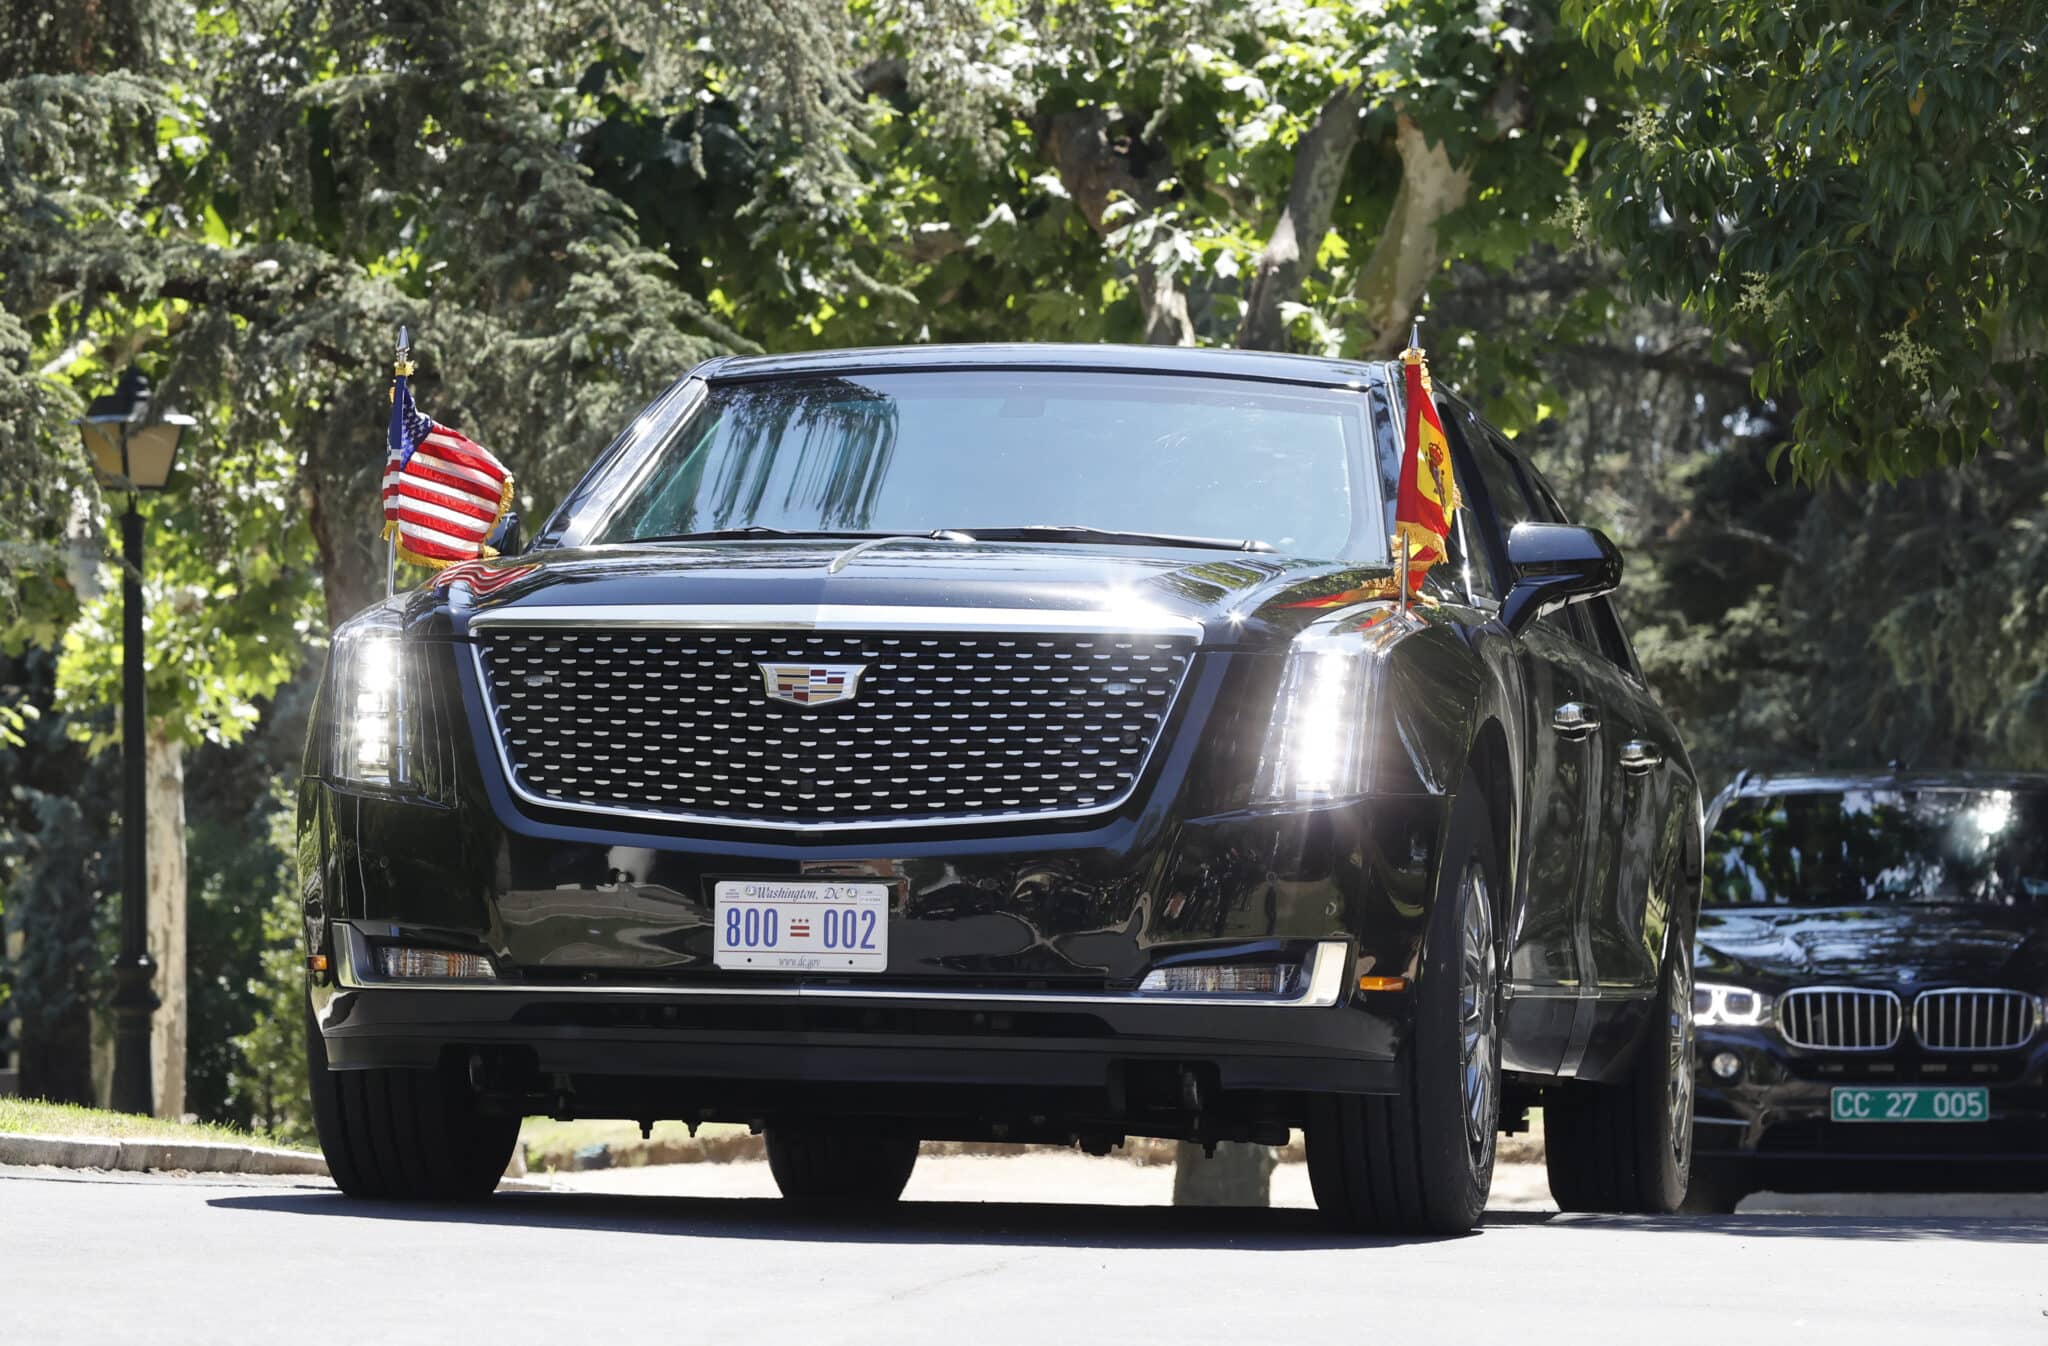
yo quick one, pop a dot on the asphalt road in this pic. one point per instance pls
(145, 1258)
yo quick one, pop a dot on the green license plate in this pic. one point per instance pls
(1911, 1103)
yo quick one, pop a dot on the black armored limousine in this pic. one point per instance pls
(1011, 742)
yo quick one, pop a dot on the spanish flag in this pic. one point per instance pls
(1428, 495)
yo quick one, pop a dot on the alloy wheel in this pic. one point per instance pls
(1681, 1048)
(1478, 1013)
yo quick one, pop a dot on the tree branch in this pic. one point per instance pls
(1670, 361)
(1096, 170)
(1319, 160)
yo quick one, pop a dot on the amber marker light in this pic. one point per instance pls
(1382, 983)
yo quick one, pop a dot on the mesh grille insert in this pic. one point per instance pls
(942, 724)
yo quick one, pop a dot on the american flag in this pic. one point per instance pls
(443, 491)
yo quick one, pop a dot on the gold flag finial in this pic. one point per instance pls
(402, 366)
(1413, 355)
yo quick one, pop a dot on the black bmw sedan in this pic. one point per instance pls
(1020, 743)
(1873, 962)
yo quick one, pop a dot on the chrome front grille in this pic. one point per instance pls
(943, 725)
(1839, 1018)
(1968, 1019)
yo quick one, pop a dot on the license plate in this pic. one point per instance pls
(1911, 1103)
(799, 926)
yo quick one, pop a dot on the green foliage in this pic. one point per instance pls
(266, 1077)
(1857, 190)
(56, 862)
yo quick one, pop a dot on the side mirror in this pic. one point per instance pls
(1555, 564)
(505, 538)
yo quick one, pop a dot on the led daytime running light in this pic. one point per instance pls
(1264, 979)
(1715, 1005)
(406, 962)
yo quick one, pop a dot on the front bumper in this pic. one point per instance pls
(734, 1053)
(1772, 1124)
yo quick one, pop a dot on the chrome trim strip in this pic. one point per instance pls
(1523, 990)
(829, 617)
(353, 970)
(1135, 620)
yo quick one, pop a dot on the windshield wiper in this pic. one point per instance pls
(1114, 537)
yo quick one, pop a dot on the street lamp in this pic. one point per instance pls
(130, 452)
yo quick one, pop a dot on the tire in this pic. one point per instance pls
(1421, 1161)
(404, 1135)
(1626, 1148)
(841, 1171)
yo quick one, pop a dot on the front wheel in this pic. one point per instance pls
(1421, 1160)
(1626, 1148)
(404, 1135)
(841, 1171)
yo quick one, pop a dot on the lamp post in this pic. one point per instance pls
(130, 452)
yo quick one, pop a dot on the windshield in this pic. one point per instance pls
(918, 452)
(1859, 847)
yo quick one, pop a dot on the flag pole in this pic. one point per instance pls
(401, 367)
(1401, 539)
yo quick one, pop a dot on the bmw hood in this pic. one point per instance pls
(1907, 945)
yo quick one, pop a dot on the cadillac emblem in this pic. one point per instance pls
(811, 684)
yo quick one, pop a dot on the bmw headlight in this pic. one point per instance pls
(368, 717)
(1715, 1005)
(1316, 745)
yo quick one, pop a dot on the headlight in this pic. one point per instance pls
(1316, 744)
(1717, 1006)
(368, 745)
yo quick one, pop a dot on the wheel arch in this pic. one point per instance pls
(1489, 768)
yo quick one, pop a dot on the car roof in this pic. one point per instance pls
(1212, 362)
(1948, 778)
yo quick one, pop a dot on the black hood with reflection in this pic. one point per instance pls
(1242, 599)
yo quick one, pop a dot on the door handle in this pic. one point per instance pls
(1575, 719)
(1639, 754)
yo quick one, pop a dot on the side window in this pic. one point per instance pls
(1467, 574)
(1470, 573)
(1613, 640)
(1499, 493)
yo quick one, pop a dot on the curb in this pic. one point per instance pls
(143, 1155)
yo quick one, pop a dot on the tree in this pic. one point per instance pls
(1855, 190)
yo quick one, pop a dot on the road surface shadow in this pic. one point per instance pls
(1866, 1228)
(1067, 1225)
(1021, 1224)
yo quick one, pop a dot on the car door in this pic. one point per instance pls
(1560, 768)
(1620, 937)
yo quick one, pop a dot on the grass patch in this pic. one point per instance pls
(31, 1117)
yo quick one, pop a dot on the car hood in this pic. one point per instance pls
(1241, 599)
(1893, 945)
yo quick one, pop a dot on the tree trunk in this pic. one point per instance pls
(1319, 161)
(1404, 261)
(1097, 169)
(165, 785)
